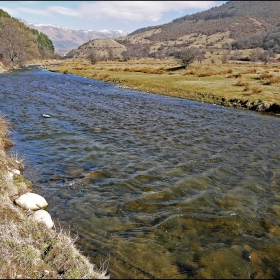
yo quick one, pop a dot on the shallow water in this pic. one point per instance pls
(158, 187)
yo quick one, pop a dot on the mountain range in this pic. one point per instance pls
(64, 39)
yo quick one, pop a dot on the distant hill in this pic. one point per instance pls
(65, 39)
(216, 28)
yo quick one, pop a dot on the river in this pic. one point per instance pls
(154, 186)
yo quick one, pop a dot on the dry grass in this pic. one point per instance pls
(5, 131)
(269, 79)
(29, 249)
(250, 71)
(239, 83)
(247, 86)
(236, 76)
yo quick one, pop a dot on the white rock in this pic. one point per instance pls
(42, 216)
(31, 201)
(15, 171)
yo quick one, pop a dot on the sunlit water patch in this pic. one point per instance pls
(160, 187)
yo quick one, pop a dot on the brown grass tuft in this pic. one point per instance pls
(256, 89)
(268, 79)
(250, 71)
(206, 74)
(266, 75)
(247, 86)
(239, 83)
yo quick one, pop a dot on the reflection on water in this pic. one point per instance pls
(161, 187)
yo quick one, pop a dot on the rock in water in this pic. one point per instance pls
(31, 201)
(42, 216)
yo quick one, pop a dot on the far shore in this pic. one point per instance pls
(252, 86)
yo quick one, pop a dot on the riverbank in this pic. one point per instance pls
(29, 249)
(251, 86)
(2, 68)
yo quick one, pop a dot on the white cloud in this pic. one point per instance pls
(10, 11)
(21, 10)
(137, 10)
(134, 11)
(63, 11)
(118, 11)
(18, 11)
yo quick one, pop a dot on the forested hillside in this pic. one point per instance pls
(19, 43)
(219, 28)
(268, 40)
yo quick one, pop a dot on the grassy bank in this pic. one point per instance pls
(29, 249)
(243, 85)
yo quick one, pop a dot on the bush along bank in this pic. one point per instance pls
(30, 245)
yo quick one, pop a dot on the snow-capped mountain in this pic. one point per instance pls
(64, 39)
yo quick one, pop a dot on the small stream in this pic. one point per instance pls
(155, 186)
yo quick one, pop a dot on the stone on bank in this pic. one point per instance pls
(42, 216)
(31, 201)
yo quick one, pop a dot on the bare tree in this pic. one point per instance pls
(110, 54)
(16, 43)
(200, 56)
(187, 56)
(224, 58)
(92, 57)
(264, 57)
(236, 55)
(255, 54)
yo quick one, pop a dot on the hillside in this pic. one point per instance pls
(64, 39)
(216, 28)
(19, 43)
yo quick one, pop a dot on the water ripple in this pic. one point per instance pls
(167, 187)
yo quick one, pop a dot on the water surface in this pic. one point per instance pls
(161, 187)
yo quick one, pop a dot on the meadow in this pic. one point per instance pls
(235, 84)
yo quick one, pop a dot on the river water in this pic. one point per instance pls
(155, 186)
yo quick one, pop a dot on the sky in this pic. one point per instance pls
(104, 15)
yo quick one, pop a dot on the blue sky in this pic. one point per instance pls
(100, 15)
